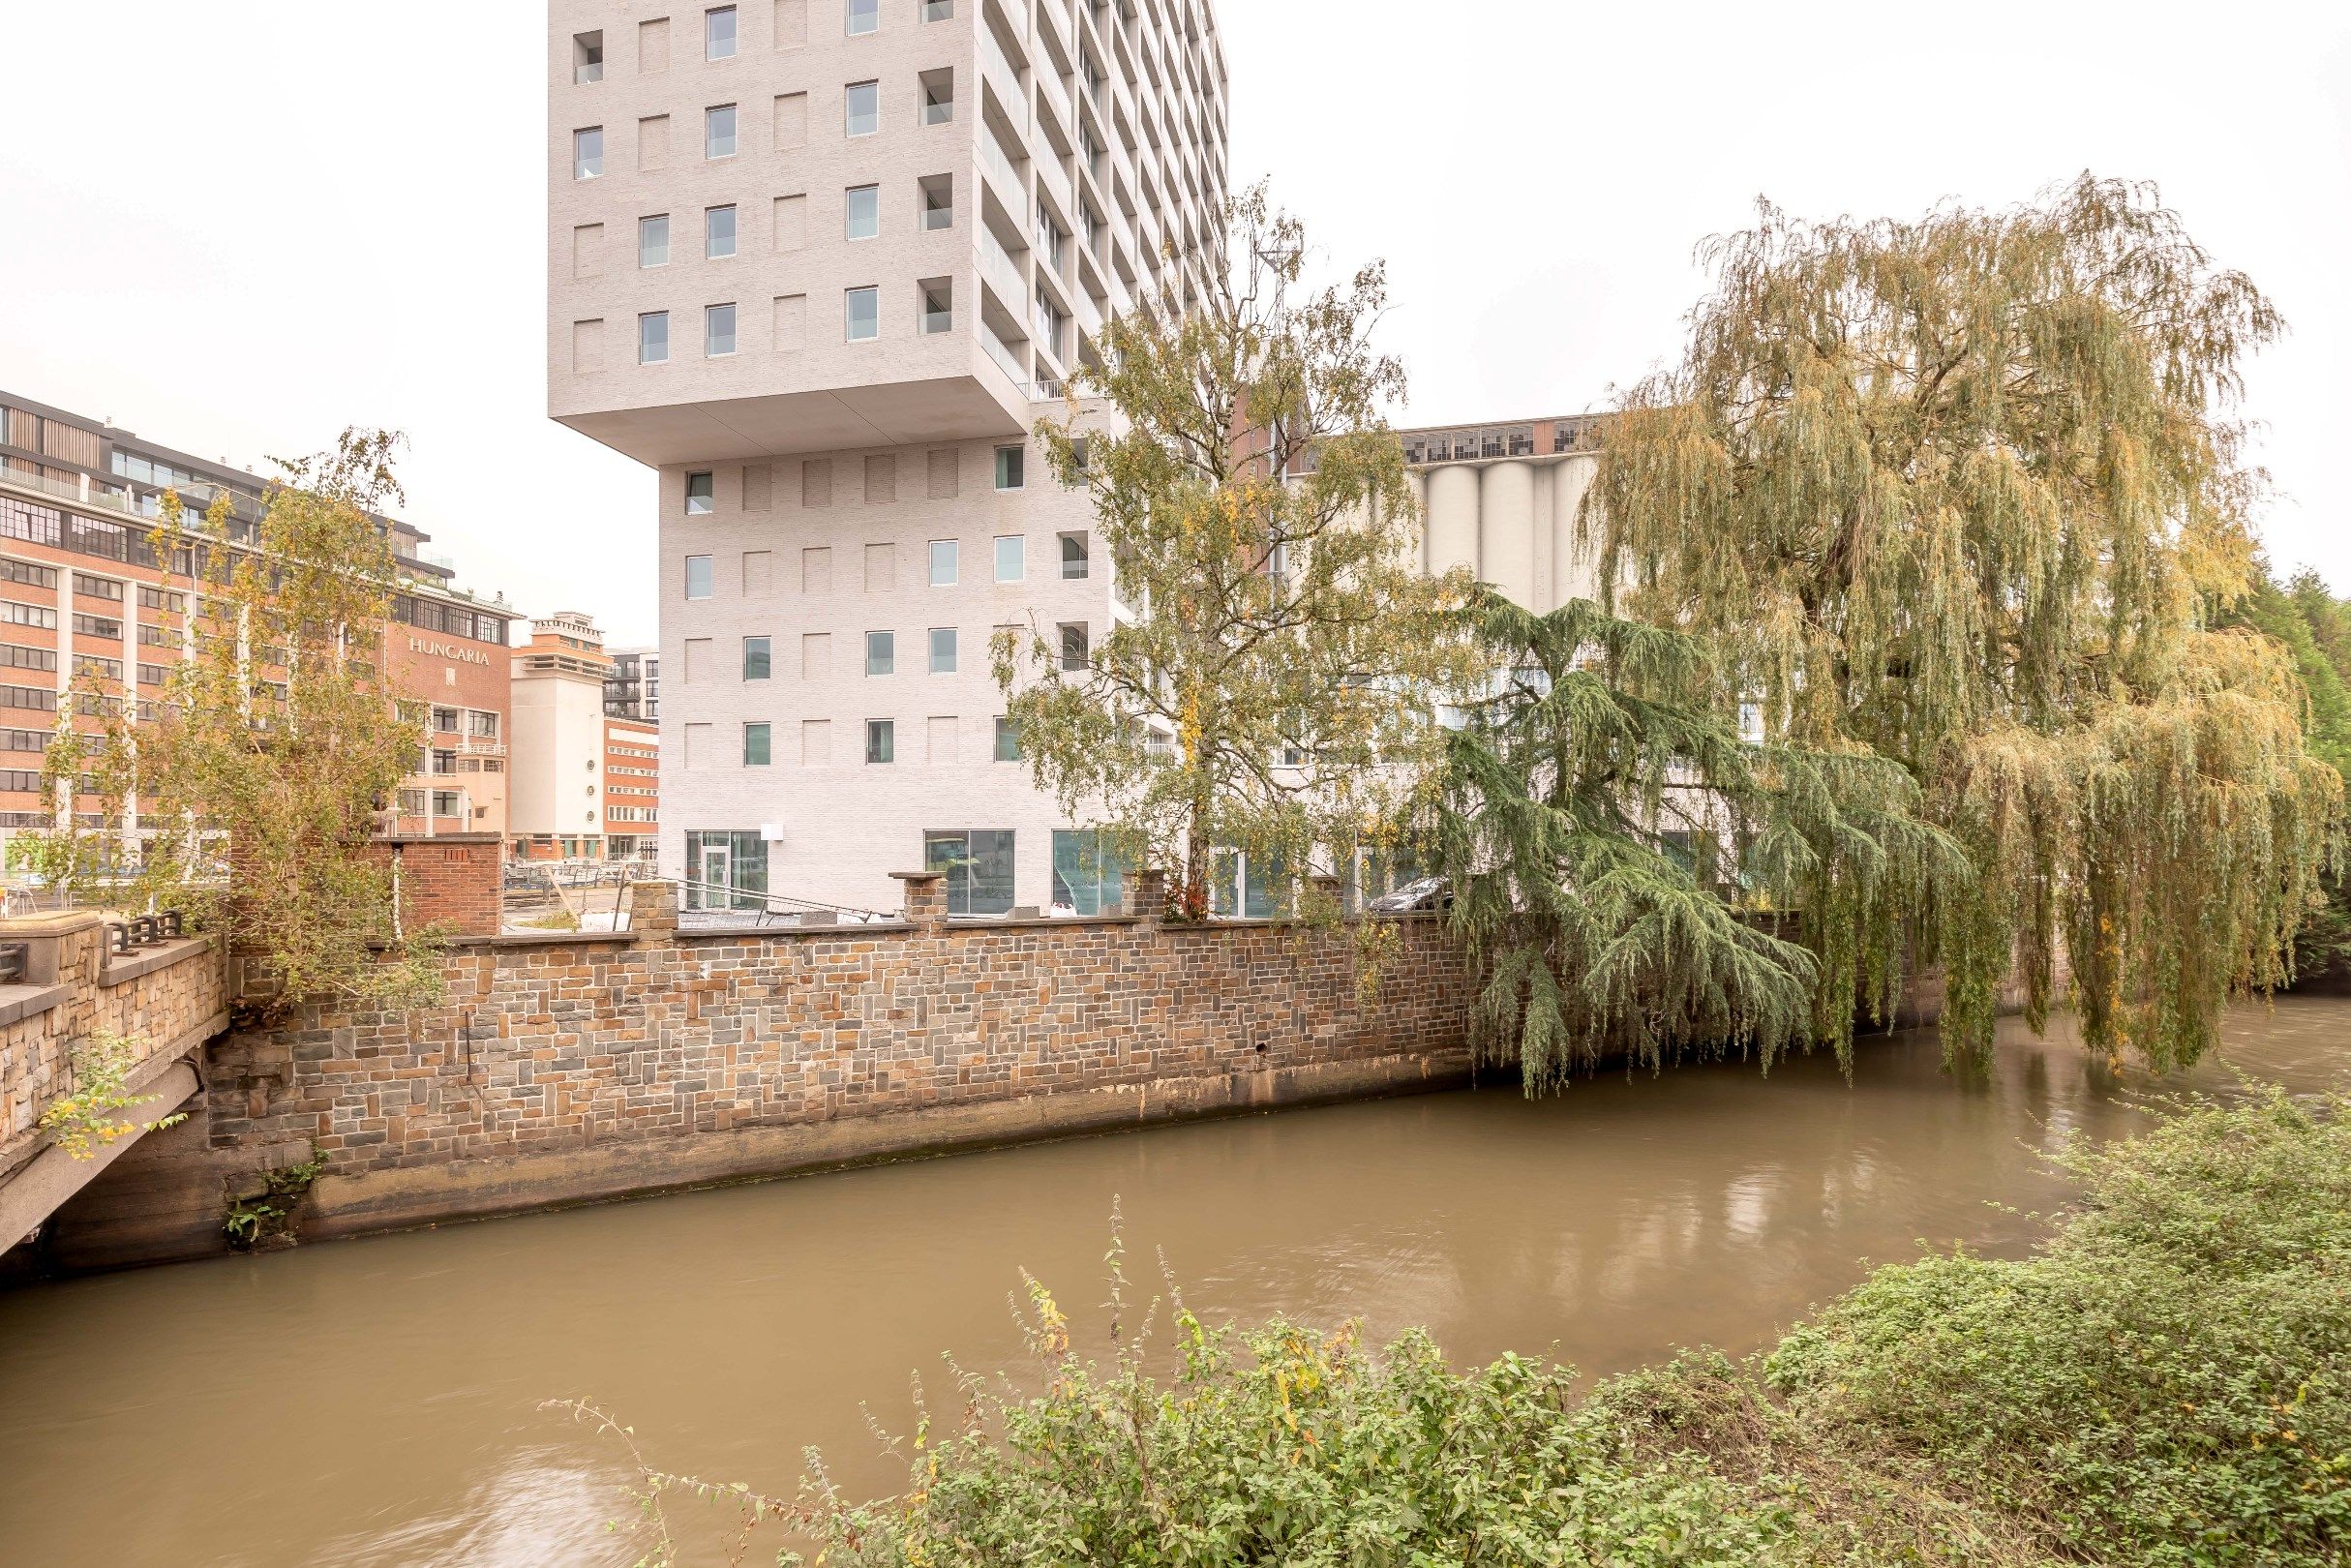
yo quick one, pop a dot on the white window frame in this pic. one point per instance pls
(873, 195)
(849, 317)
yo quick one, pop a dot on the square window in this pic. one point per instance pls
(756, 660)
(588, 152)
(864, 207)
(718, 132)
(881, 653)
(653, 241)
(1089, 873)
(755, 745)
(881, 741)
(864, 16)
(1012, 468)
(1007, 741)
(943, 564)
(718, 33)
(943, 650)
(1011, 557)
(1073, 650)
(717, 331)
(1075, 555)
(717, 232)
(653, 338)
(864, 109)
(698, 578)
(587, 57)
(978, 868)
(700, 493)
(864, 314)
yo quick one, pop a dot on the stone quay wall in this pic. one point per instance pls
(586, 1066)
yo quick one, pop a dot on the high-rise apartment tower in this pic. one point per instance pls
(823, 263)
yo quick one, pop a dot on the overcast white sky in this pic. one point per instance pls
(237, 227)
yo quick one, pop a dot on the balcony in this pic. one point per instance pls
(998, 165)
(1002, 274)
(998, 74)
(90, 495)
(1006, 360)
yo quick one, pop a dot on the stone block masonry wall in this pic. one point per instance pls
(167, 998)
(584, 1066)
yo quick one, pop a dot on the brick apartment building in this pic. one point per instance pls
(80, 588)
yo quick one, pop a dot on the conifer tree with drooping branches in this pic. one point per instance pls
(1617, 852)
(1968, 494)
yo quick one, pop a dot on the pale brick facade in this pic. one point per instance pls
(1001, 175)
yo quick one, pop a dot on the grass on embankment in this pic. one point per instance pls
(2164, 1383)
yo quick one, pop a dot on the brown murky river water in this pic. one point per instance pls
(377, 1402)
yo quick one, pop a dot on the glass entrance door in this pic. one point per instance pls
(713, 875)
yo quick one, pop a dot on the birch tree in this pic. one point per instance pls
(260, 768)
(1276, 688)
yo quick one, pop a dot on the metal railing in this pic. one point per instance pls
(721, 903)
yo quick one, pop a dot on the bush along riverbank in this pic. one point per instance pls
(2163, 1382)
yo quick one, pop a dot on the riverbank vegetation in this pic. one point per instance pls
(2314, 627)
(1967, 494)
(2167, 1380)
(1951, 522)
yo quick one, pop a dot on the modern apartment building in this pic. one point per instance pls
(633, 690)
(81, 587)
(822, 263)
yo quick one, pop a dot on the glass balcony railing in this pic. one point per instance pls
(997, 266)
(937, 321)
(1006, 360)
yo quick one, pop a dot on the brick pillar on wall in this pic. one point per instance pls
(1147, 894)
(926, 898)
(451, 880)
(652, 911)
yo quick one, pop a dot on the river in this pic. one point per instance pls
(377, 1402)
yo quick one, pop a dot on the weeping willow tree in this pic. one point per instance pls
(1273, 693)
(1964, 494)
(1617, 849)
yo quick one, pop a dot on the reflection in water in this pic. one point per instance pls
(375, 1402)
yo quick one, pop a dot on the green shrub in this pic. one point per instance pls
(2164, 1383)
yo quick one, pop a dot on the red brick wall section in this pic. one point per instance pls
(452, 880)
